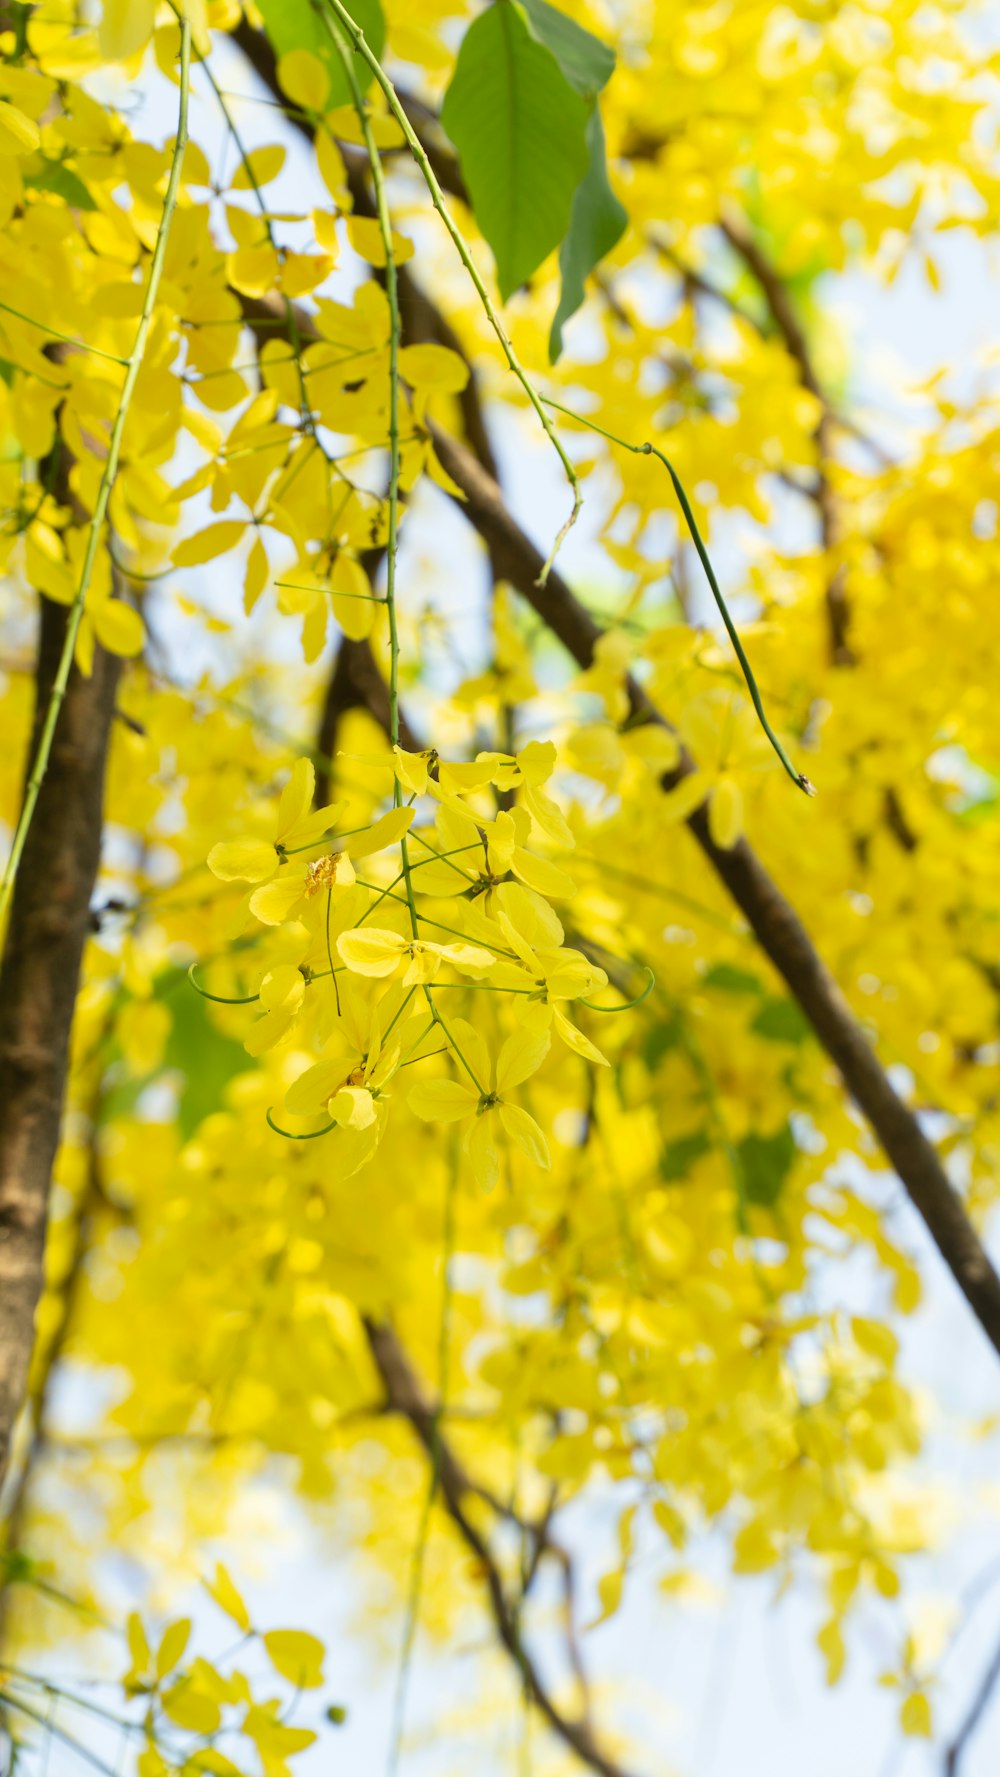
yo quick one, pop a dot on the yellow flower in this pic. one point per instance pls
(555, 973)
(297, 828)
(448, 1101)
(281, 994)
(288, 894)
(475, 857)
(375, 951)
(348, 1084)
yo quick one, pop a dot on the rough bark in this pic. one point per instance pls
(39, 975)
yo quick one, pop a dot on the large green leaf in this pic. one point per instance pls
(586, 62)
(302, 24)
(597, 223)
(521, 134)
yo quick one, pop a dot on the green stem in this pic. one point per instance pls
(649, 450)
(61, 680)
(416, 148)
(480, 1088)
(66, 338)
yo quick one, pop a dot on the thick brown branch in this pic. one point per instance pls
(771, 917)
(773, 920)
(48, 927)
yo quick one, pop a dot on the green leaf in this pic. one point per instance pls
(782, 1021)
(203, 1057)
(586, 62)
(54, 175)
(679, 1156)
(597, 223)
(729, 979)
(299, 24)
(661, 1040)
(521, 135)
(206, 1057)
(766, 1161)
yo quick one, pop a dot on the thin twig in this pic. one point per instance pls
(462, 248)
(974, 1715)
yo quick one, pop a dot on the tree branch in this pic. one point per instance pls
(771, 917)
(974, 1715)
(49, 922)
(356, 682)
(405, 1395)
(773, 920)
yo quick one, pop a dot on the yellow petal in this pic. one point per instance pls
(915, 1716)
(575, 1040)
(118, 628)
(296, 797)
(533, 917)
(125, 26)
(313, 1089)
(259, 167)
(433, 367)
(171, 1648)
(353, 599)
(523, 1130)
(365, 236)
(227, 1597)
(541, 875)
(371, 951)
(353, 1107)
(276, 900)
(256, 575)
(468, 957)
(725, 813)
(243, 860)
(688, 795)
(282, 986)
(297, 1656)
(442, 1101)
(484, 1155)
(18, 134)
(303, 79)
(520, 1057)
(386, 831)
(207, 544)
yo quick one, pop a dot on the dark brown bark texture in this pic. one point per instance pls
(39, 977)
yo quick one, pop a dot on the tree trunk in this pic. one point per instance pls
(39, 975)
